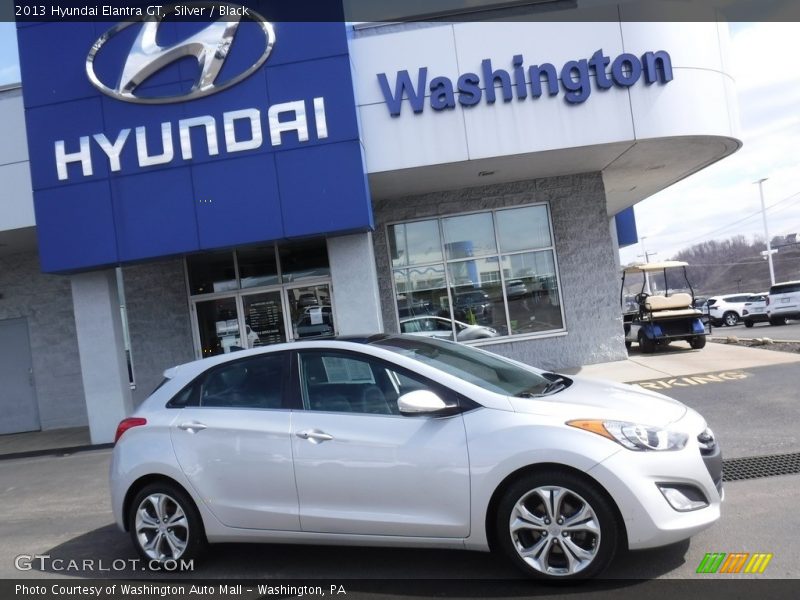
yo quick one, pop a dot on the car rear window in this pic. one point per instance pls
(785, 288)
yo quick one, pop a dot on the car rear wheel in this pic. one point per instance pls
(165, 525)
(730, 318)
(748, 323)
(555, 525)
(777, 321)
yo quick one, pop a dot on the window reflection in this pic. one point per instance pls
(415, 243)
(211, 272)
(304, 260)
(503, 286)
(523, 228)
(532, 292)
(311, 311)
(257, 266)
(469, 235)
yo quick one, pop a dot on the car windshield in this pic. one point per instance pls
(488, 371)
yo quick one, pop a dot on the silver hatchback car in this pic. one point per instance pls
(397, 440)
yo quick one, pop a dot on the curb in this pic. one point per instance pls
(722, 339)
(55, 451)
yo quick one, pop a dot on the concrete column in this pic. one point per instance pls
(102, 352)
(612, 225)
(356, 298)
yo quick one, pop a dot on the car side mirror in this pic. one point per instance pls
(425, 403)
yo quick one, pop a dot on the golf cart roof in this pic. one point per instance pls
(655, 266)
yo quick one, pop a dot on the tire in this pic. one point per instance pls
(698, 342)
(647, 345)
(730, 318)
(777, 320)
(748, 323)
(185, 540)
(542, 542)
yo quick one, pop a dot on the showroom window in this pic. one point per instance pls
(484, 275)
(260, 295)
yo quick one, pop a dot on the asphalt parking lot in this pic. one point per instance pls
(59, 506)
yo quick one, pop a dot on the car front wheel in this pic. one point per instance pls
(730, 318)
(165, 525)
(555, 525)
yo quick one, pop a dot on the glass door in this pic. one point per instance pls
(310, 311)
(218, 326)
(264, 318)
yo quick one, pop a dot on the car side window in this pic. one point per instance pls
(249, 383)
(345, 383)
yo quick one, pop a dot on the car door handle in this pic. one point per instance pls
(315, 436)
(192, 426)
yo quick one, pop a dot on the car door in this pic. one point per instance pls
(232, 440)
(361, 467)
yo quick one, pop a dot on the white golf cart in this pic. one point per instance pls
(656, 319)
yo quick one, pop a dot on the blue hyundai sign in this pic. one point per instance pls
(159, 137)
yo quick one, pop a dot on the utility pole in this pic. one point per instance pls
(760, 183)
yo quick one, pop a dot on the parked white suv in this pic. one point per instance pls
(727, 310)
(783, 302)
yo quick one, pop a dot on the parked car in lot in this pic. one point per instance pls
(727, 310)
(442, 328)
(516, 288)
(399, 440)
(755, 309)
(783, 302)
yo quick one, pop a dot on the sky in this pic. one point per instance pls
(721, 200)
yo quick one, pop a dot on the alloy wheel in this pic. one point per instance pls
(555, 531)
(162, 528)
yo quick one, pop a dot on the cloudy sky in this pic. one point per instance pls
(721, 200)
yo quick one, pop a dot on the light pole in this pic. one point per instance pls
(649, 286)
(760, 183)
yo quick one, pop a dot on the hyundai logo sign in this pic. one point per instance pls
(209, 46)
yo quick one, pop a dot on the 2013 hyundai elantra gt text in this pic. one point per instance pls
(396, 440)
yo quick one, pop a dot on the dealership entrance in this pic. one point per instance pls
(258, 296)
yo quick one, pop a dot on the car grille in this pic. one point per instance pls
(712, 458)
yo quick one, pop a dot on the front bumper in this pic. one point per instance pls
(633, 479)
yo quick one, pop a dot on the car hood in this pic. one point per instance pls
(597, 399)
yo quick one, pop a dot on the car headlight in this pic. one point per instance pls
(634, 436)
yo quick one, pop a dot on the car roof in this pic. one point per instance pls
(198, 366)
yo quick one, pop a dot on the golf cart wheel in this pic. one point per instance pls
(730, 318)
(647, 345)
(698, 342)
(777, 320)
(748, 323)
(555, 525)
